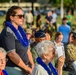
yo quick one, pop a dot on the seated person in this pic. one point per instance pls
(46, 52)
(71, 55)
(39, 36)
(60, 59)
(2, 61)
(48, 34)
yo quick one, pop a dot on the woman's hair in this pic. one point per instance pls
(2, 50)
(57, 35)
(11, 11)
(49, 32)
(44, 47)
(74, 36)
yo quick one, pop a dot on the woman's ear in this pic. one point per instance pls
(11, 17)
(44, 56)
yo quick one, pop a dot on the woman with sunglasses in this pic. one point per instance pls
(15, 42)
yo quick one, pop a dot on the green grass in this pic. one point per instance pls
(2, 19)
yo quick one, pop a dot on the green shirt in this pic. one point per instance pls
(34, 52)
(69, 17)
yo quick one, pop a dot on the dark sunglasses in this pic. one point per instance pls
(19, 16)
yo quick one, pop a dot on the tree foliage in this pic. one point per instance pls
(54, 2)
(1, 1)
(66, 3)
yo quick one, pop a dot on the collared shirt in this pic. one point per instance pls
(11, 43)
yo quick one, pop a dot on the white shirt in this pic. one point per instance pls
(60, 49)
(54, 17)
(39, 70)
(29, 17)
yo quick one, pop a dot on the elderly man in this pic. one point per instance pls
(2, 61)
(46, 52)
(39, 36)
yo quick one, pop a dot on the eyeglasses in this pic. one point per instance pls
(20, 16)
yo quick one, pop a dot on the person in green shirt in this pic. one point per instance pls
(39, 36)
(69, 17)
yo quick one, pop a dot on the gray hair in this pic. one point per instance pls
(2, 50)
(43, 47)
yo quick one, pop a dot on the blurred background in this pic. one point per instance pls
(61, 7)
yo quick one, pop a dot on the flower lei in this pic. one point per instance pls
(4, 72)
(53, 70)
(23, 40)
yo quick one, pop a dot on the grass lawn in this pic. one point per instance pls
(2, 18)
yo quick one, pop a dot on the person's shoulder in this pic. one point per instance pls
(71, 44)
(60, 26)
(39, 68)
(31, 14)
(9, 30)
(6, 30)
(68, 26)
(33, 44)
(62, 44)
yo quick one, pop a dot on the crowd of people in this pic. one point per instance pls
(34, 51)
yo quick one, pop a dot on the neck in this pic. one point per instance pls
(15, 25)
(64, 24)
(58, 43)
